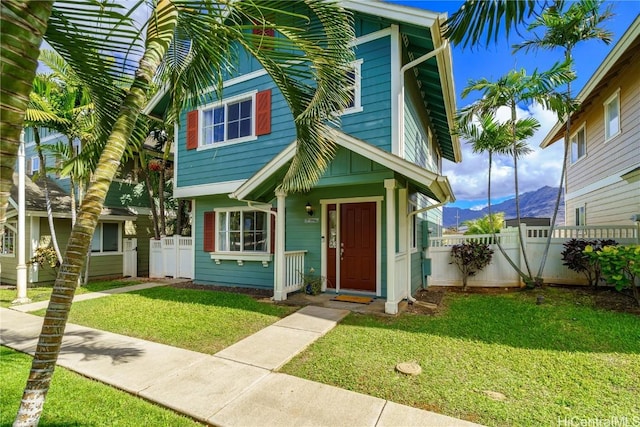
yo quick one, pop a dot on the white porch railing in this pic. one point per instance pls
(171, 256)
(294, 269)
(500, 274)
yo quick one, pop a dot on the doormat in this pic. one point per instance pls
(354, 299)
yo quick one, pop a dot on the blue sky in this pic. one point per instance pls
(542, 167)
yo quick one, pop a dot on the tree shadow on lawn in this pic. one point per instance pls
(214, 297)
(516, 320)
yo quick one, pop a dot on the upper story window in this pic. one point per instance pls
(612, 116)
(578, 144)
(354, 88)
(106, 238)
(33, 165)
(237, 119)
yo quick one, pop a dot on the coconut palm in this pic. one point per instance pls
(478, 19)
(564, 29)
(509, 91)
(308, 61)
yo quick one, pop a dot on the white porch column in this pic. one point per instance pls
(391, 306)
(21, 268)
(279, 272)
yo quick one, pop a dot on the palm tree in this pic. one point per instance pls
(309, 63)
(476, 19)
(485, 133)
(510, 90)
(487, 224)
(565, 29)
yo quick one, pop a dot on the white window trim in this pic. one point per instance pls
(357, 92)
(226, 101)
(584, 215)
(583, 126)
(10, 227)
(101, 252)
(614, 97)
(32, 160)
(240, 256)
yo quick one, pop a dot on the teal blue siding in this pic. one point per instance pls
(364, 25)
(241, 160)
(417, 147)
(373, 123)
(227, 273)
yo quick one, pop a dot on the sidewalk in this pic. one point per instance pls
(235, 387)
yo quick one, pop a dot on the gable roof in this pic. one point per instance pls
(35, 202)
(623, 51)
(429, 183)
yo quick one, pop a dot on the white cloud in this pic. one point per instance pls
(538, 169)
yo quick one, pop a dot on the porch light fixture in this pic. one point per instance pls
(309, 209)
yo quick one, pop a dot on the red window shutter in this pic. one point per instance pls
(273, 231)
(192, 129)
(209, 232)
(263, 112)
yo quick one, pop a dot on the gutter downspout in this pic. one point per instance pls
(411, 299)
(403, 70)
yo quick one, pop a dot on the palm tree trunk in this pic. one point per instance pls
(528, 280)
(55, 320)
(43, 171)
(163, 221)
(72, 186)
(22, 25)
(152, 202)
(556, 207)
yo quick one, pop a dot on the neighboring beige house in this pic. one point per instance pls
(603, 170)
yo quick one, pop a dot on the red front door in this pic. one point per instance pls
(358, 246)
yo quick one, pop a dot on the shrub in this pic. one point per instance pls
(575, 258)
(470, 257)
(620, 266)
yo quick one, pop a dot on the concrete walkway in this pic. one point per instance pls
(235, 387)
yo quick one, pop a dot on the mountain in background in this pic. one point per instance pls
(537, 204)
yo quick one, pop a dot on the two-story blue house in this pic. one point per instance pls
(361, 226)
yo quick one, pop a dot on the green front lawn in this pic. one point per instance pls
(77, 401)
(198, 320)
(562, 360)
(42, 293)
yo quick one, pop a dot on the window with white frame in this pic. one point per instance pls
(8, 241)
(230, 120)
(106, 238)
(33, 166)
(612, 116)
(354, 88)
(242, 231)
(578, 145)
(581, 218)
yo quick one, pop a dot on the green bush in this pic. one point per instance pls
(577, 260)
(470, 257)
(620, 266)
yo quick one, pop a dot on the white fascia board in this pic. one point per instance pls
(263, 174)
(207, 189)
(409, 15)
(620, 48)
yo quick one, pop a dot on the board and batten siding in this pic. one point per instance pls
(240, 160)
(596, 181)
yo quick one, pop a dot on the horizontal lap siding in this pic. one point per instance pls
(241, 160)
(373, 124)
(417, 149)
(621, 152)
(251, 273)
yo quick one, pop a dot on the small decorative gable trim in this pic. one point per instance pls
(209, 231)
(192, 130)
(263, 112)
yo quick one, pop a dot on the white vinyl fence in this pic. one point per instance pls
(500, 274)
(171, 257)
